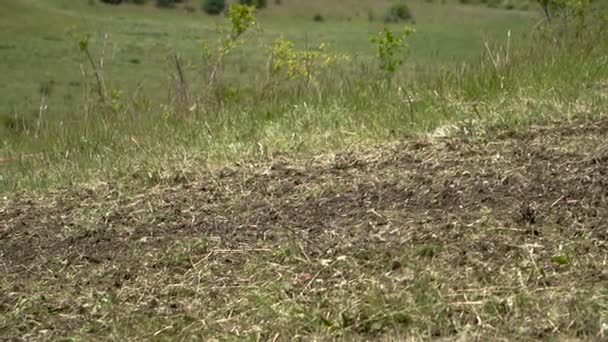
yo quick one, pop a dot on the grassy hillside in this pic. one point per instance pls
(48, 110)
(288, 192)
(40, 41)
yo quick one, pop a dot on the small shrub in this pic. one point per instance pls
(399, 11)
(241, 17)
(288, 63)
(390, 47)
(112, 2)
(318, 17)
(214, 7)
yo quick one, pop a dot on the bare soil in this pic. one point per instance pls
(500, 235)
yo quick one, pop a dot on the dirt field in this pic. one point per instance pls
(496, 235)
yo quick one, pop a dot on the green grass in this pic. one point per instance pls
(140, 42)
(448, 77)
(461, 199)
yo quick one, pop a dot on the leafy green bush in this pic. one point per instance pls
(390, 47)
(213, 7)
(288, 63)
(399, 11)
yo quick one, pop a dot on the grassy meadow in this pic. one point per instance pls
(134, 46)
(267, 197)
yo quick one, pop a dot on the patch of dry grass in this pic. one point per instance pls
(467, 237)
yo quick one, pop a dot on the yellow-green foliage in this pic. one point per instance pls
(241, 17)
(290, 63)
(390, 47)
